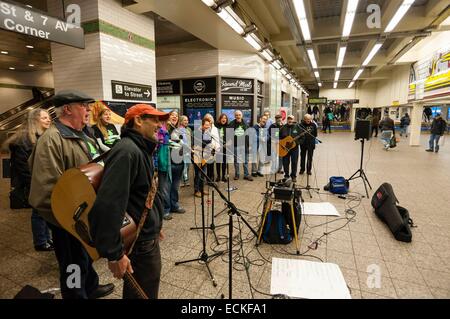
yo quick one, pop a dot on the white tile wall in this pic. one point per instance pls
(196, 64)
(77, 68)
(242, 64)
(112, 12)
(124, 61)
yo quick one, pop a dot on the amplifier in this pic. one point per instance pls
(283, 193)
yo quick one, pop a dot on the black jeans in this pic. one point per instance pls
(306, 151)
(146, 262)
(375, 129)
(221, 169)
(198, 178)
(292, 159)
(69, 251)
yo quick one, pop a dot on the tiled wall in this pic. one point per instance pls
(241, 64)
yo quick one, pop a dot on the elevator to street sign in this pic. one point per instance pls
(131, 91)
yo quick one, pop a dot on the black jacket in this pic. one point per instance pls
(125, 185)
(290, 130)
(309, 132)
(275, 135)
(438, 126)
(387, 125)
(20, 170)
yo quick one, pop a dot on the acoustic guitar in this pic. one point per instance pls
(288, 143)
(72, 199)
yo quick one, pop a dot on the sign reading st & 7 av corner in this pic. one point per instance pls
(16, 18)
(131, 91)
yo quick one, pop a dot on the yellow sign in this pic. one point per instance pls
(395, 103)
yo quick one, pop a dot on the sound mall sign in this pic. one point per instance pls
(16, 18)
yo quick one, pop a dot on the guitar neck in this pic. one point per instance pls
(137, 288)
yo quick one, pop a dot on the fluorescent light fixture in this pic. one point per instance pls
(29, 46)
(4, 52)
(337, 75)
(209, 3)
(399, 15)
(320, 84)
(316, 74)
(32, 7)
(277, 64)
(267, 55)
(299, 7)
(288, 76)
(335, 84)
(312, 58)
(349, 17)
(372, 53)
(225, 15)
(351, 84)
(357, 74)
(341, 56)
(284, 72)
(11, 68)
(31, 65)
(251, 40)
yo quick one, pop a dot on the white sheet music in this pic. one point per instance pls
(320, 209)
(308, 279)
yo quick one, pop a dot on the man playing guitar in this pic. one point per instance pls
(291, 159)
(128, 185)
(308, 143)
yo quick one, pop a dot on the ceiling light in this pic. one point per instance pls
(288, 76)
(299, 7)
(337, 75)
(267, 54)
(320, 84)
(312, 58)
(277, 64)
(284, 72)
(30, 46)
(11, 68)
(4, 52)
(349, 17)
(209, 3)
(32, 7)
(399, 15)
(31, 65)
(372, 53)
(316, 74)
(335, 84)
(225, 15)
(351, 84)
(358, 74)
(252, 41)
(341, 56)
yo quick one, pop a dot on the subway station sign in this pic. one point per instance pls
(37, 24)
(131, 91)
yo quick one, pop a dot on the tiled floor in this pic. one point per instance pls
(420, 269)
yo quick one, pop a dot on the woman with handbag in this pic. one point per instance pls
(21, 145)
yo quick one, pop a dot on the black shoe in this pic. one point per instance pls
(236, 177)
(224, 179)
(429, 150)
(309, 173)
(248, 178)
(179, 211)
(254, 174)
(294, 180)
(302, 172)
(218, 179)
(44, 247)
(101, 291)
(259, 174)
(168, 217)
(436, 151)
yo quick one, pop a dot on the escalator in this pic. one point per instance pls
(10, 121)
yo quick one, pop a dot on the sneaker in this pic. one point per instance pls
(248, 178)
(168, 217)
(44, 247)
(429, 150)
(198, 194)
(178, 211)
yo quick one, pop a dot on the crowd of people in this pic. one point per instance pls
(146, 161)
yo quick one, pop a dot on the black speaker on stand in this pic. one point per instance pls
(363, 129)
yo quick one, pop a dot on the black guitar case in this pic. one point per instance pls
(396, 217)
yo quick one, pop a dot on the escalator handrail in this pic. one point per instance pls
(25, 105)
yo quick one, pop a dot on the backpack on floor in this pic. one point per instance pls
(337, 185)
(276, 230)
(396, 217)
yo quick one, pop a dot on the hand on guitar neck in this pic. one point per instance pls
(120, 267)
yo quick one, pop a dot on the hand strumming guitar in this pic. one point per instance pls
(120, 267)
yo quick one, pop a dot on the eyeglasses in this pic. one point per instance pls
(85, 105)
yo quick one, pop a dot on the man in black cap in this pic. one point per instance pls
(66, 144)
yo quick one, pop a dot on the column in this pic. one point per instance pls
(119, 45)
(416, 124)
(353, 118)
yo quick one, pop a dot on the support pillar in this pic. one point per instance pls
(416, 124)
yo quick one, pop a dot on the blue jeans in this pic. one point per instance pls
(164, 189)
(404, 130)
(177, 173)
(186, 172)
(238, 154)
(39, 228)
(433, 138)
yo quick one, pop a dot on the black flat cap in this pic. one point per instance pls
(70, 96)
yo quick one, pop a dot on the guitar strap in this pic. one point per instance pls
(148, 205)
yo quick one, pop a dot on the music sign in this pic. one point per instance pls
(22, 20)
(229, 85)
(131, 91)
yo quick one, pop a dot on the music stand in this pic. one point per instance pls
(308, 187)
(361, 172)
